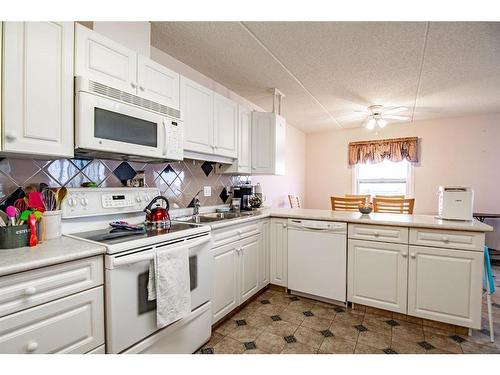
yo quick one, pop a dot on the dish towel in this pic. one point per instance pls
(169, 285)
(488, 274)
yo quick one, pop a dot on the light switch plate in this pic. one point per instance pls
(207, 191)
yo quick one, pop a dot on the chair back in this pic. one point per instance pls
(347, 203)
(393, 206)
(367, 197)
(390, 196)
(294, 201)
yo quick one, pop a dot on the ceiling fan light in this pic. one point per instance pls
(370, 124)
(381, 123)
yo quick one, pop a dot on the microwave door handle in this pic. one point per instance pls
(165, 138)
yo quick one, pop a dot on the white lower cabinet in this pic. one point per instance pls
(73, 324)
(264, 255)
(225, 293)
(249, 267)
(377, 274)
(278, 252)
(238, 266)
(445, 285)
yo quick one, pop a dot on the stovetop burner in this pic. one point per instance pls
(111, 236)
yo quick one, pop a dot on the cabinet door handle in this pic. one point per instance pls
(413, 255)
(165, 141)
(29, 291)
(284, 225)
(376, 234)
(446, 239)
(404, 255)
(10, 137)
(141, 88)
(133, 85)
(32, 346)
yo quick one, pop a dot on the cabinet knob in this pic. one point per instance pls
(141, 88)
(446, 239)
(413, 255)
(239, 233)
(376, 234)
(404, 255)
(32, 346)
(29, 291)
(284, 225)
(10, 137)
(133, 85)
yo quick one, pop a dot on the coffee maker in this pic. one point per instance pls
(243, 193)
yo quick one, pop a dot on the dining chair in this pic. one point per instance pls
(390, 196)
(367, 197)
(347, 203)
(294, 201)
(393, 206)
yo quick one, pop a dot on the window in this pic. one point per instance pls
(386, 178)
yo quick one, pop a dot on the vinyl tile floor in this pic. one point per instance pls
(279, 323)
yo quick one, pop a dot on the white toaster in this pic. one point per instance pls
(456, 202)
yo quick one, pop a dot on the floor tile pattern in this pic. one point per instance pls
(276, 322)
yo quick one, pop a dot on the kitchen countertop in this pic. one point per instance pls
(399, 220)
(48, 253)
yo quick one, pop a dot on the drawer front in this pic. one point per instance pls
(73, 324)
(27, 289)
(447, 239)
(235, 233)
(378, 233)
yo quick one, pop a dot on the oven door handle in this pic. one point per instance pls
(131, 259)
(136, 258)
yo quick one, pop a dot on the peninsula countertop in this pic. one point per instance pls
(400, 220)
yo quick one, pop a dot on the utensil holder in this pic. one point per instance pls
(15, 236)
(52, 222)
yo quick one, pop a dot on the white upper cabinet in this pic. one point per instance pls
(225, 126)
(197, 108)
(38, 89)
(157, 83)
(108, 62)
(268, 143)
(103, 60)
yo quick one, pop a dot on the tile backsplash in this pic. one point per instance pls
(178, 181)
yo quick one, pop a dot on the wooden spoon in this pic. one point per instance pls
(61, 194)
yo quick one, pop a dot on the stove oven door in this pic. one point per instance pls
(130, 317)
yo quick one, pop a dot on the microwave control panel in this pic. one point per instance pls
(174, 148)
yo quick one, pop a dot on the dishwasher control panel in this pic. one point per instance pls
(330, 226)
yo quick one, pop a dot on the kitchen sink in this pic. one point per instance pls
(215, 216)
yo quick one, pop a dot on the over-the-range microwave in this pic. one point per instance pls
(113, 124)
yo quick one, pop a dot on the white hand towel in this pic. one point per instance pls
(169, 283)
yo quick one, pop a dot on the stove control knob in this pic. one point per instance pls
(71, 202)
(84, 201)
(146, 198)
(138, 199)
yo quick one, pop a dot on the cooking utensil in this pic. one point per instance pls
(11, 213)
(21, 204)
(24, 216)
(4, 217)
(158, 216)
(49, 199)
(61, 194)
(31, 223)
(35, 201)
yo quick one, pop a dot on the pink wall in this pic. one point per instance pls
(275, 188)
(461, 151)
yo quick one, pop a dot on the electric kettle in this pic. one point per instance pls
(158, 216)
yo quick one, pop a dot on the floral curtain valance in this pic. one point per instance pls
(396, 149)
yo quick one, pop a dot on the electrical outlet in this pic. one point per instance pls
(207, 191)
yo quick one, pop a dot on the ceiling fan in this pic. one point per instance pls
(377, 115)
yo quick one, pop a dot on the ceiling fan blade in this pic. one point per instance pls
(394, 117)
(394, 110)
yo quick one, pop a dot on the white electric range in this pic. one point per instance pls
(130, 317)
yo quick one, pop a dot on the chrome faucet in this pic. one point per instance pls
(196, 204)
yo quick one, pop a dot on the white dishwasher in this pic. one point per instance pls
(317, 258)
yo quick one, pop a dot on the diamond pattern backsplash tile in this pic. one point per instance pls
(179, 181)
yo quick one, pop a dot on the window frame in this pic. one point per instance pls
(409, 180)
